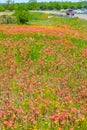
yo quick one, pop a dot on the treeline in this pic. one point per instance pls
(43, 6)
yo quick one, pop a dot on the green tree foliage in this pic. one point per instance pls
(22, 16)
(2, 8)
(32, 1)
(9, 5)
(57, 5)
(8, 1)
(34, 5)
(43, 6)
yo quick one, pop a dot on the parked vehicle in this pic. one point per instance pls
(81, 11)
(70, 12)
(85, 11)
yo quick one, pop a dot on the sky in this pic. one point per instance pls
(19, 1)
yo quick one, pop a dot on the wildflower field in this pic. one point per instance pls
(43, 77)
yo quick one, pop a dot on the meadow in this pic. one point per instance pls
(43, 75)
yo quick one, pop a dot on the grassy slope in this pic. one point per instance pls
(43, 75)
(55, 20)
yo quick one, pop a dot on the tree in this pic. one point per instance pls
(8, 2)
(32, 1)
(57, 5)
(22, 16)
(43, 6)
(2, 8)
(9, 5)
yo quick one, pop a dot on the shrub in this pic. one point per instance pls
(6, 19)
(23, 16)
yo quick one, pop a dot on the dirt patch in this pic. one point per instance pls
(82, 16)
(6, 13)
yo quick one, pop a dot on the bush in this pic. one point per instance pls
(6, 19)
(23, 16)
(2, 8)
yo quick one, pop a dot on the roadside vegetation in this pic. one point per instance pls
(18, 13)
(43, 74)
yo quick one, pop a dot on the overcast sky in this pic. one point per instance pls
(18, 1)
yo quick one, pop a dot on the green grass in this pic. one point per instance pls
(76, 23)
